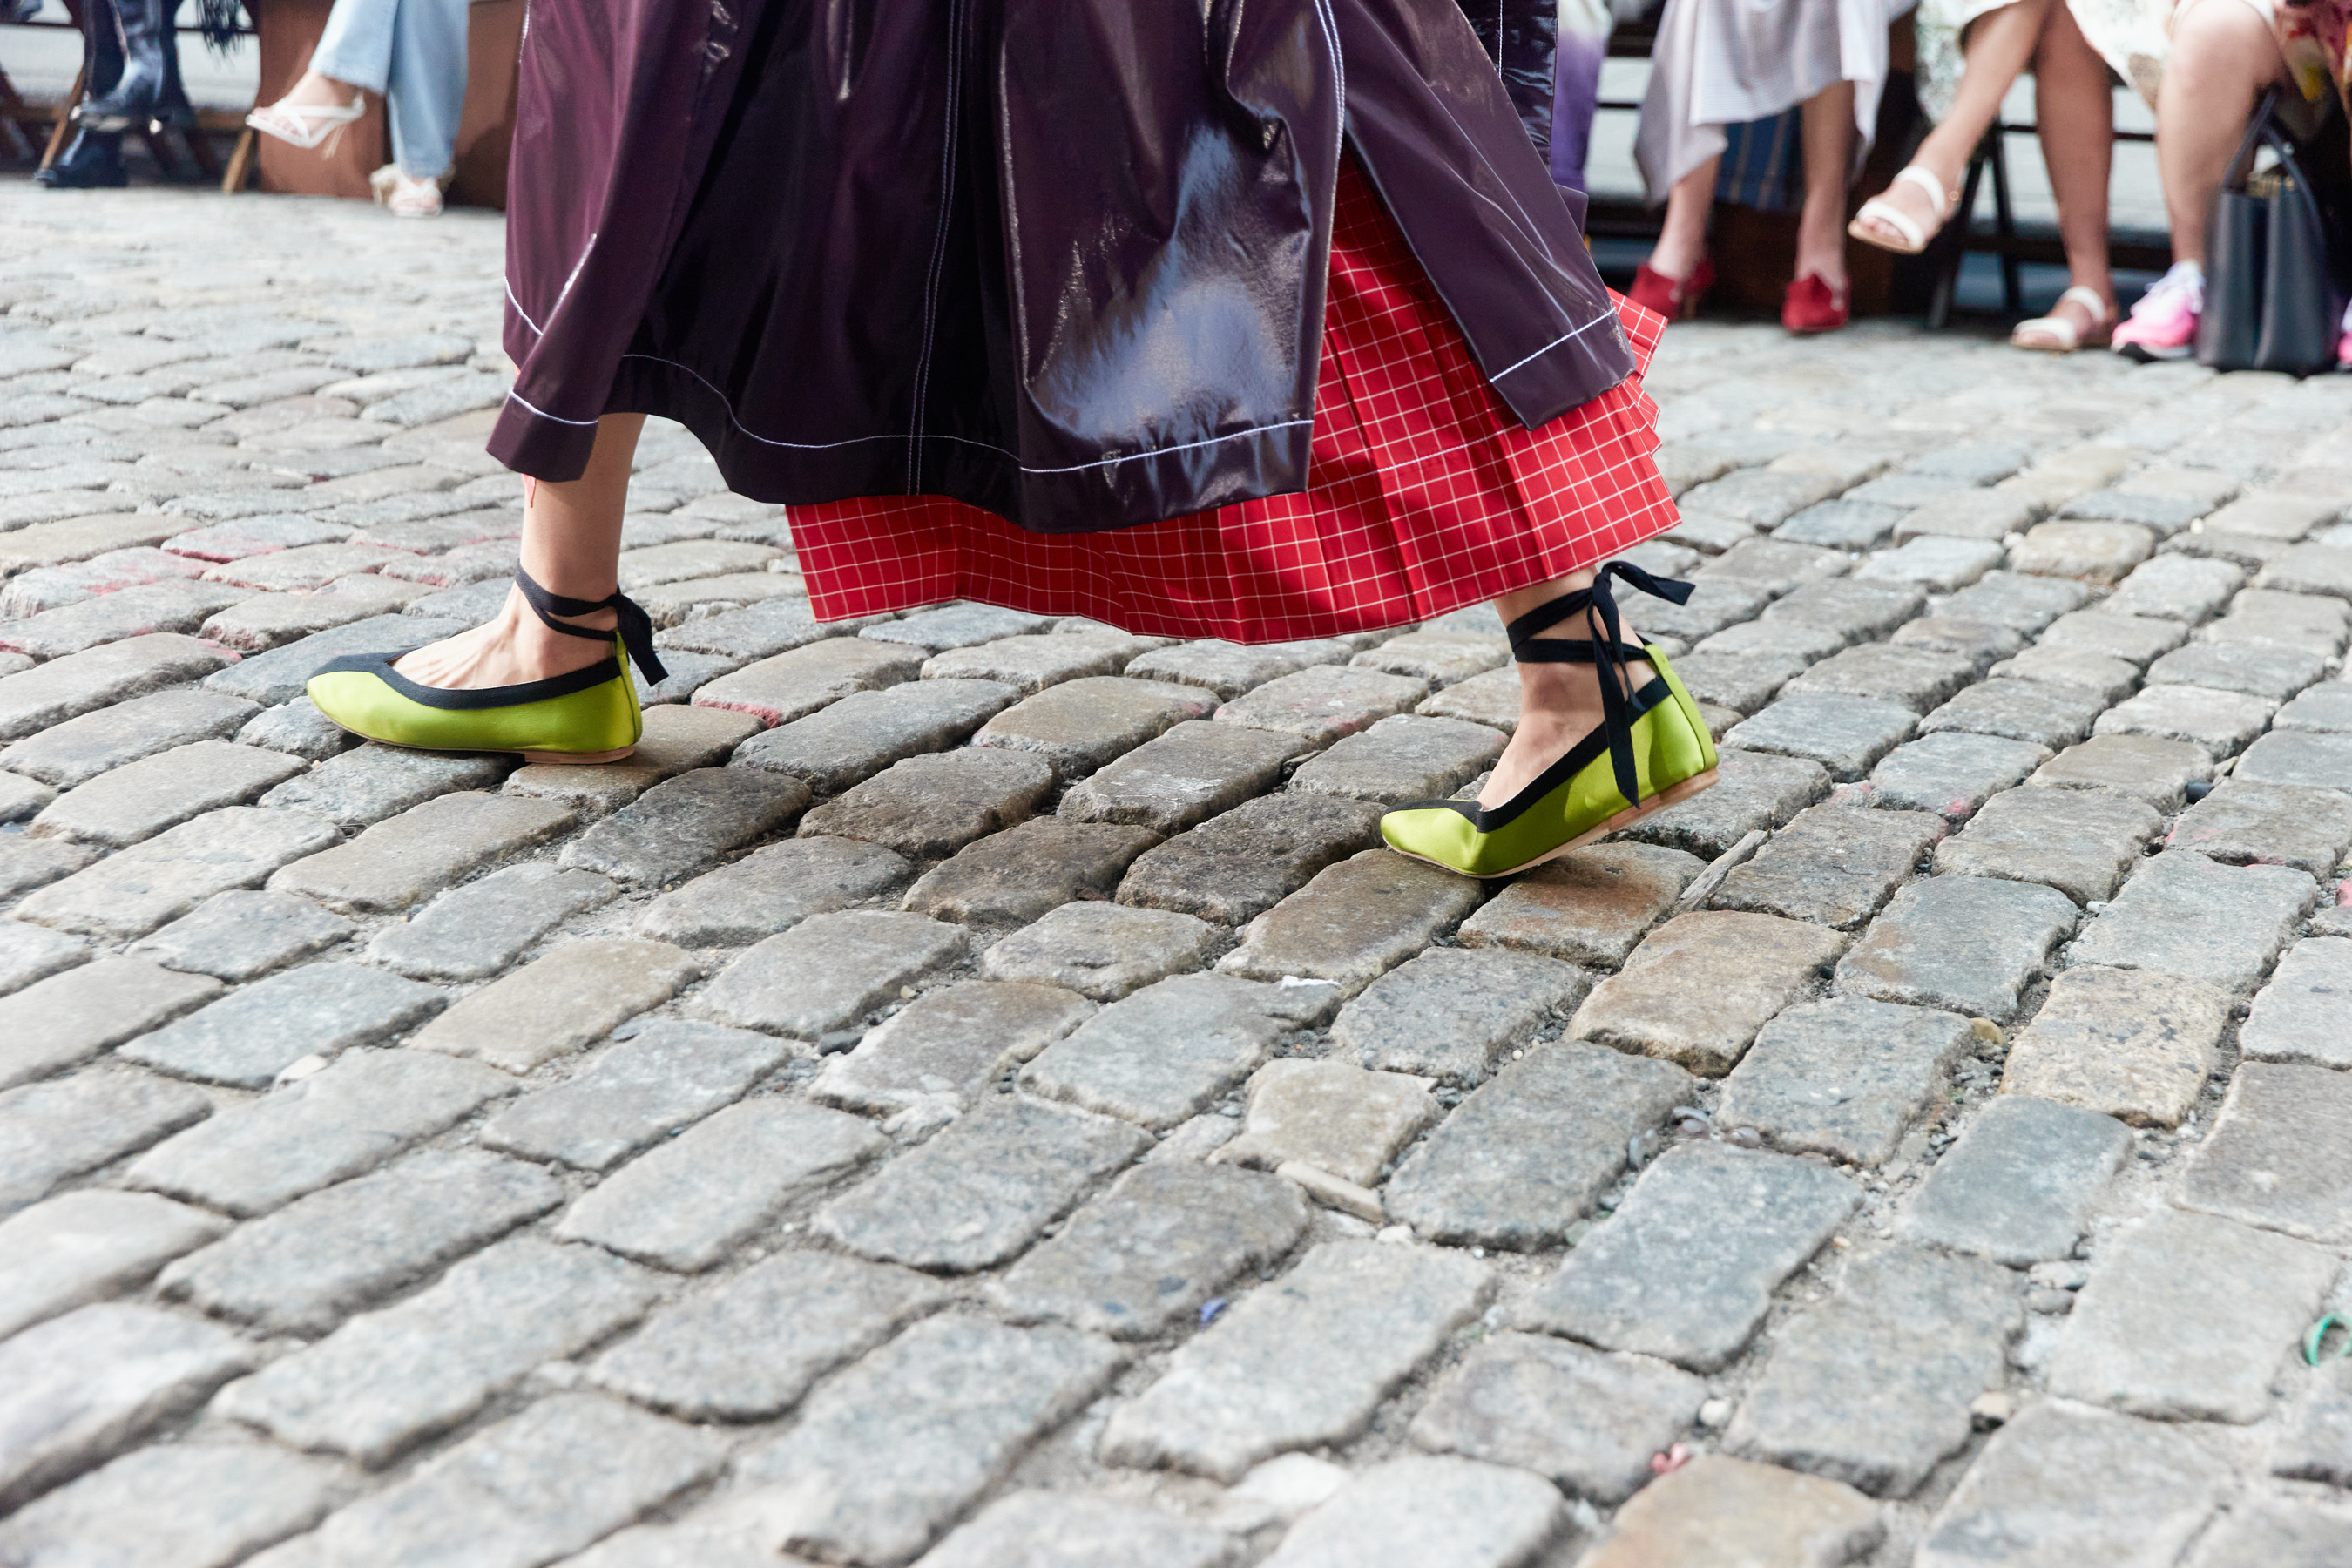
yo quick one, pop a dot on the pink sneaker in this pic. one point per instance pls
(2163, 325)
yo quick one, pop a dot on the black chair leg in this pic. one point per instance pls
(1954, 243)
(2012, 282)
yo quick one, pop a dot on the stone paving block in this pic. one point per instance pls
(2153, 772)
(2013, 599)
(1951, 773)
(1873, 1388)
(956, 625)
(79, 750)
(2311, 569)
(1978, 642)
(1831, 865)
(1406, 757)
(2080, 842)
(1859, 612)
(1229, 668)
(2275, 515)
(49, 1131)
(889, 1454)
(2056, 664)
(2221, 721)
(1237, 866)
(1841, 524)
(675, 563)
(2266, 670)
(1685, 1267)
(1028, 869)
(2176, 588)
(77, 1390)
(2293, 757)
(348, 1118)
(1491, 700)
(49, 545)
(30, 953)
(174, 605)
(239, 935)
(537, 1486)
(1715, 604)
(831, 970)
(2325, 708)
(67, 1019)
(206, 1503)
(1721, 1513)
(1192, 771)
(305, 1268)
(1439, 657)
(749, 1349)
(694, 1199)
(1523, 1158)
(2133, 1044)
(279, 675)
(1354, 922)
(1761, 496)
(928, 807)
(2277, 1156)
(1769, 639)
(2061, 1485)
(685, 824)
(1324, 702)
(2315, 1440)
(1031, 664)
(2182, 914)
(1451, 1014)
(773, 890)
(1101, 951)
(667, 1076)
(405, 859)
(2188, 1317)
(1753, 790)
(672, 602)
(2135, 638)
(755, 631)
(1968, 944)
(1933, 561)
(560, 1003)
(1141, 1258)
(1588, 1420)
(1426, 1509)
(1971, 515)
(2278, 1535)
(62, 689)
(984, 1189)
(1845, 1078)
(2305, 1014)
(249, 1036)
(1588, 907)
(2291, 620)
(1299, 1365)
(1750, 966)
(947, 1044)
(2018, 1186)
(2247, 822)
(1344, 1120)
(84, 1247)
(866, 732)
(2091, 551)
(1172, 1049)
(20, 797)
(1060, 1530)
(1082, 724)
(387, 1378)
(2037, 712)
(1742, 682)
(795, 683)
(472, 932)
(374, 782)
(1845, 735)
(299, 729)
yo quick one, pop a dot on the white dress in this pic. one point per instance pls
(2131, 36)
(1722, 62)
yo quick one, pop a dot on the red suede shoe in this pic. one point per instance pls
(1675, 298)
(1812, 306)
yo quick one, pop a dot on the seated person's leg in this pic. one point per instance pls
(426, 96)
(354, 55)
(2076, 109)
(1999, 44)
(1820, 304)
(1678, 270)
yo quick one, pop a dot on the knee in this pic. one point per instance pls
(2220, 45)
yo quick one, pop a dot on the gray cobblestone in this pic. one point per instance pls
(473, 932)
(1845, 1078)
(2248, 822)
(66, 687)
(1939, 564)
(2293, 757)
(1081, 724)
(1440, 656)
(1322, 703)
(2311, 569)
(801, 681)
(2326, 709)
(2222, 722)
(1753, 790)
(829, 971)
(694, 1199)
(1951, 773)
(1845, 735)
(1831, 865)
(1588, 1420)
(2018, 1186)
(2156, 773)
(2065, 1485)
(206, 1502)
(1193, 771)
(2135, 638)
(685, 824)
(773, 890)
(864, 732)
(1101, 951)
(52, 1132)
(1750, 966)
(560, 1003)
(1354, 922)
(30, 953)
(665, 1076)
(404, 859)
(239, 935)
(1055, 1530)
(174, 604)
(956, 625)
(2182, 914)
(1408, 1511)
(2176, 588)
(2274, 1114)
(373, 782)
(1029, 870)
(2305, 1014)
(946, 1045)
(84, 1247)
(297, 728)
(928, 807)
(1172, 1049)
(1451, 1014)
(2133, 1044)
(2024, 603)
(279, 676)
(1229, 669)
(65, 1020)
(2262, 615)
(1033, 663)
(2037, 712)
(1859, 612)
(1970, 944)
(1237, 866)
(2056, 664)
(248, 1037)
(1401, 758)
(80, 750)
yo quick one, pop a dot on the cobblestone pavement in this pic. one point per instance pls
(969, 1091)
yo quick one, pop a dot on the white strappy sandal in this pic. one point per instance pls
(307, 125)
(2057, 335)
(1878, 209)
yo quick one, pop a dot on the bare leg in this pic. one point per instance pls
(2076, 112)
(1558, 704)
(571, 546)
(1682, 239)
(1829, 159)
(1999, 44)
(2222, 54)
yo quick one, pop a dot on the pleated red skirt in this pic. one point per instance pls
(1423, 494)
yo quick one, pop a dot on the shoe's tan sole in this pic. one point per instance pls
(1674, 794)
(550, 758)
(553, 759)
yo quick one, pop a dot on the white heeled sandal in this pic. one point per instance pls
(2057, 335)
(307, 125)
(1878, 209)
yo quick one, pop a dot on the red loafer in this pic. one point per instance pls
(1675, 298)
(1812, 306)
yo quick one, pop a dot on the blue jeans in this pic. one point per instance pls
(413, 52)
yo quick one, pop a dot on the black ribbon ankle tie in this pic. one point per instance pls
(1605, 650)
(636, 628)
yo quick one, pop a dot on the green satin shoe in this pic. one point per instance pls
(588, 716)
(1651, 750)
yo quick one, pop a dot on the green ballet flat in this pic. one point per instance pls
(1651, 749)
(588, 716)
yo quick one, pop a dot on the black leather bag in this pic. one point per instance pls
(2274, 298)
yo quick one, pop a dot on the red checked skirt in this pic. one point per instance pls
(1423, 494)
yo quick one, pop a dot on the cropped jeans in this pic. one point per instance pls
(414, 53)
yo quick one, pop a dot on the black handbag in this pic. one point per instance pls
(2273, 300)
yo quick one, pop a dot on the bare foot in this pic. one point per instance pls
(1559, 704)
(510, 650)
